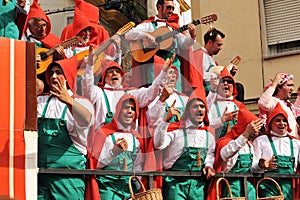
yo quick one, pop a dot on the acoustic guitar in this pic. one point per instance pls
(142, 50)
(217, 69)
(44, 56)
(99, 54)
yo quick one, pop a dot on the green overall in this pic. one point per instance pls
(242, 165)
(116, 187)
(285, 165)
(186, 187)
(181, 109)
(222, 131)
(109, 115)
(56, 150)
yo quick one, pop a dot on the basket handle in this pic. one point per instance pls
(227, 184)
(268, 178)
(130, 186)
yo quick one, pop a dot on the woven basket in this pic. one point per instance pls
(279, 197)
(229, 190)
(154, 194)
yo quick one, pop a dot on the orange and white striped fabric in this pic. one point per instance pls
(15, 157)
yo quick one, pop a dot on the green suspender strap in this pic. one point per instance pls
(46, 106)
(109, 115)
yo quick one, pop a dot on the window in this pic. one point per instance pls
(282, 21)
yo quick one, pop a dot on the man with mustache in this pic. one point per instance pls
(280, 90)
(144, 75)
(187, 145)
(224, 107)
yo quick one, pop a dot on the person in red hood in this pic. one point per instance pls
(37, 29)
(64, 122)
(144, 74)
(187, 146)
(85, 25)
(118, 146)
(234, 153)
(223, 110)
(278, 152)
(112, 86)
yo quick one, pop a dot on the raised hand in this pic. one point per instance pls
(168, 62)
(227, 116)
(120, 146)
(171, 112)
(60, 91)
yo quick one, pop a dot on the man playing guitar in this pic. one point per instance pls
(181, 44)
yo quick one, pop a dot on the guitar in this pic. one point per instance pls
(44, 56)
(142, 50)
(99, 52)
(235, 61)
(217, 69)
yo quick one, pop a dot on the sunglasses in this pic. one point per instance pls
(228, 81)
(170, 7)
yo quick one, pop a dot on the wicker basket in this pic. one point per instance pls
(154, 194)
(279, 197)
(229, 190)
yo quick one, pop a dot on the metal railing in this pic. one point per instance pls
(152, 174)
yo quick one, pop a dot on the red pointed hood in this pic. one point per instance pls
(225, 73)
(107, 64)
(119, 106)
(277, 111)
(244, 118)
(80, 22)
(69, 67)
(198, 93)
(89, 10)
(37, 12)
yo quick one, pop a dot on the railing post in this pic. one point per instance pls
(245, 187)
(151, 182)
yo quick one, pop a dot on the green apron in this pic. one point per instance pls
(242, 165)
(116, 187)
(56, 150)
(181, 109)
(222, 131)
(285, 166)
(186, 187)
(109, 115)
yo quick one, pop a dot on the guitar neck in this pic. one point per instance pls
(103, 47)
(165, 36)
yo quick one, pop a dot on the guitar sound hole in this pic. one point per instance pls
(43, 55)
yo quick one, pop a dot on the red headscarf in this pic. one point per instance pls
(278, 110)
(36, 11)
(225, 73)
(107, 64)
(69, 67)
(199, 94)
